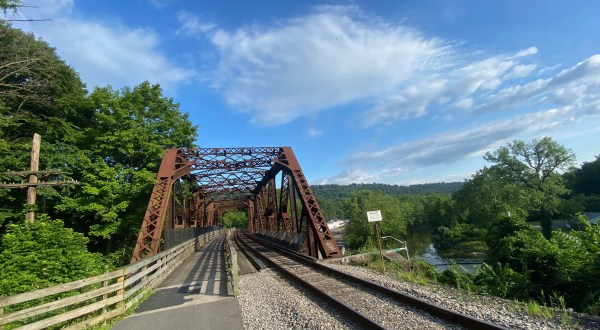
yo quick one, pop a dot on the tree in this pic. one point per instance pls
(359, 232)
(534, 165)
(39, 93)
(120, 153)
(235, 219)
(9, 5)
(586, 180)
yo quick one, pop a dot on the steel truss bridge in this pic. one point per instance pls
(196, 186)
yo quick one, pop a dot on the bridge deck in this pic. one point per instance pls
(196, 295)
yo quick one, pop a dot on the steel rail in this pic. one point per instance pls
(421, 304)
(354, 315)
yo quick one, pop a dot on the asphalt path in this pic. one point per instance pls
(196, 295)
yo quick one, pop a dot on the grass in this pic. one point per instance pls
(557, 310)
(532, 308)
(418, 272)
(421, 273)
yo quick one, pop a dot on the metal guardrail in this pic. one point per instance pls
(93, 300)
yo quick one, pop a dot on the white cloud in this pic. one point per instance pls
(452, 146)
(337, 55)
(313, 132)
(521, 70)
(160, 4)
(455, 87)
(191, 25)
(576, 85)
(527, 52)
(105, 53)
(326, 59)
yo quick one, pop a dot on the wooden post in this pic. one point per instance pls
(35, 166)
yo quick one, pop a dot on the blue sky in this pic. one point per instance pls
(397, 92)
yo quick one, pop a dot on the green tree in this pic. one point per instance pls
(360, 232)
(235, 219)
(587, 178)
(9, 6)
(118, 160)
(39, 93)
(534, 165)
(44, 253)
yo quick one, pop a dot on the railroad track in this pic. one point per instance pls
(365, 303)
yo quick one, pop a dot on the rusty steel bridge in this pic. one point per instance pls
(196, 186)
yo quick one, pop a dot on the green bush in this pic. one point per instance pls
(502, 281)
(44, 253)
(457, 277)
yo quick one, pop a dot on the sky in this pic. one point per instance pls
(396, 92)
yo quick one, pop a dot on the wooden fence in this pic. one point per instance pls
(86, 302)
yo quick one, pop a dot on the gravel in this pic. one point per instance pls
(500, 311)
(269, 302)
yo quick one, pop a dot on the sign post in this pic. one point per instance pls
(375, 216)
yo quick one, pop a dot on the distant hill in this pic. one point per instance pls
(340, 192)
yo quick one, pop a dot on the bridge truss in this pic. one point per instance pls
(194, 187)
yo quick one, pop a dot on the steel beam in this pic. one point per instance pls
(234, 178)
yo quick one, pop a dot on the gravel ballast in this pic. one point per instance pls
(268, 302)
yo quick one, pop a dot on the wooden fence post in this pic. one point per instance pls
(121, 304)
(105, 284)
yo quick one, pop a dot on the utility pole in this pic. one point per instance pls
(33, 179)
(32, 175)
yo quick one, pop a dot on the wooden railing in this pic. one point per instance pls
(89, 301)
(231, 262)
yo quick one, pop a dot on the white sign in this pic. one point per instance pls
(373, 216)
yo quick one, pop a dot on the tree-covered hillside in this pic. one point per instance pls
(334, 191)
(332, 197)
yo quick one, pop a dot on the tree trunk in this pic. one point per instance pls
(546, 222)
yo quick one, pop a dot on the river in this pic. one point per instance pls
(422, 246)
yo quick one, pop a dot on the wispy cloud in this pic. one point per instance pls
(192, 25)
(578, 85)
(304, 65)
(105, 53)
(455, 145)
(337, 55)
(160, 4)
(457, 85)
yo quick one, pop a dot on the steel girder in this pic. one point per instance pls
(235, 178)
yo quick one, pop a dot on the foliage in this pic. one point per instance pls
(111, 140)
(9, 5)
(332, 198)
(461, 232)
(118, 160)
(533, 308)
(341, 192)
(457, 277)
(500, 280)
(360, 232)
(39, 93)
(235, 219)
(44, 253)
(533, 165)
(586, 179)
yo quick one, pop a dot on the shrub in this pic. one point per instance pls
(44, 253)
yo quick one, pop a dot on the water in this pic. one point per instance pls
(422, 247)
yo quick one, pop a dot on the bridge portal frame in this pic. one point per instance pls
(236, 178)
